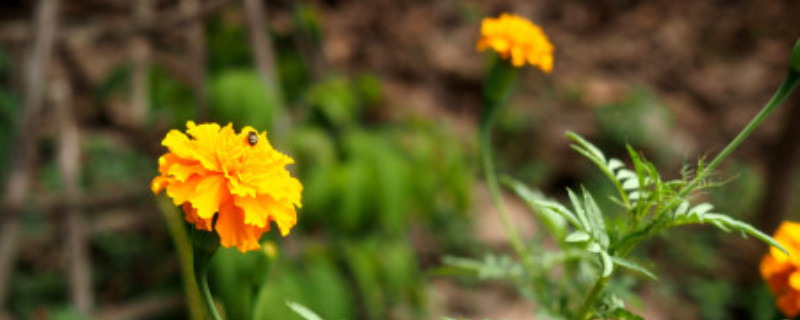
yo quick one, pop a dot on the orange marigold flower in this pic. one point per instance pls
(782, 272)
(237, 179)
(516, 37)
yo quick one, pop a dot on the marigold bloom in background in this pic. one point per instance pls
(515, 37)
(782, 272)
(235, 179)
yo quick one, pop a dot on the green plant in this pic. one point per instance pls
(588, 240)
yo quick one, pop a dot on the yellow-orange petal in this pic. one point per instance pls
(789, 304)
(256, 209)
(794, 280)
(178, 143)
(181, 192)
(516, 39)
(234, 232)
(190, 214)
(158, 184)
(181, 171)
(285, 217)
(770, 266)
(205, 144)
(208, 168)
(209, 194)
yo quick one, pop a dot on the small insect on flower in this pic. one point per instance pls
(233, 183)
(516, 39)
(252, 138)
(782, 272)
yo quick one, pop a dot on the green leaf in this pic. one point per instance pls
(633, 266)
(682, 208)
(724, 223)
(615, 164)
(625, 174)
(552, 220)
(630, 184)
(608, 264)
(745, 228)
(586, 145)
(578, 236)
(560, 209)
(303, 311)
(701, 209)
(578, 206)
(594, 154)
(595, 217)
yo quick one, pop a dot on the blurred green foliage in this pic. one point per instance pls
(240, 97)
(369, 180)
(367, 183)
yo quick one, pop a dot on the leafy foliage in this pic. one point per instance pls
(586, 237)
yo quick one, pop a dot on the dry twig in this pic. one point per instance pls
(25, 153)
(69, 166)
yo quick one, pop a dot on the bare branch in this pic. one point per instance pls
(196, 39)
(69, 166)
(26, 136)
(140, 51)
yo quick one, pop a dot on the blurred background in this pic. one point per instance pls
(378, 102)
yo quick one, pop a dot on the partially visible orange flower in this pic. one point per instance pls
(782, 272)
(515, 37)
(235, 179)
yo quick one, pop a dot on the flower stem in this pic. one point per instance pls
(789, 84)
(205, 244)
(497, 90)
(202, 282)
(583, 313)
(494, 192)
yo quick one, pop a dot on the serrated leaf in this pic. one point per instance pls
(615, 164)
(608, 264)
(682, 208)
(587, 145)
(701, 209)
(578, 207)
(630, 184)
(595, 217)
(560, 209)
(745, 228)
(553, 221)
(578, 236)
(633, 266)
(728, 223)
(626, 174)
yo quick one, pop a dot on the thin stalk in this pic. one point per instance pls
(494, 192)
(201, 276)
(789, 84)
(583, 313)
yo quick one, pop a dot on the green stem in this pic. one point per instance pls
(201, 264)
(583, 313)
(494, 193)
(205, 244)
(497, 89)
(180, 236)
(789, 84)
